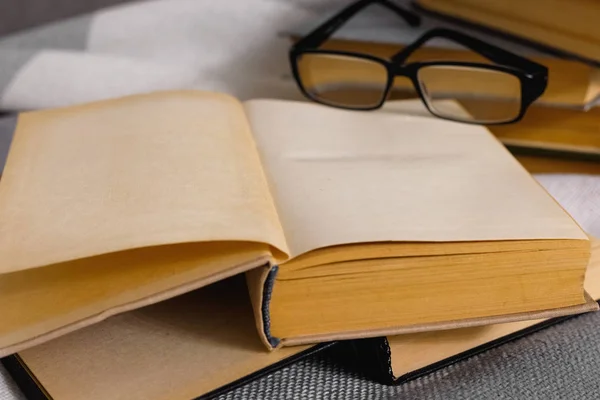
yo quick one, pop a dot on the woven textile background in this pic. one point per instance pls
(560, 362)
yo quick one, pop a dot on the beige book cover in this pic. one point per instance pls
(193, 346)
(111, 206)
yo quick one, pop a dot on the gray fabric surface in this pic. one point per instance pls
(560, 362)
(8, 388)
(12, 62)
(20, 14)
(71, 34)
(7, 127)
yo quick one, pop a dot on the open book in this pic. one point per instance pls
(351, 224)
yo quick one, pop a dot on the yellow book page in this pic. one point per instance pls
(414, 351)
(112, 206)
(140, 171)
(342, 177)
(41, 304)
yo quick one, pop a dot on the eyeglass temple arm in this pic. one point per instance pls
(325, 30)
(489, 51)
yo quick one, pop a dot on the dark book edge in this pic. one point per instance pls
(34, 390)
(370, 356)
(564, 154)
(266, 300)
(24, 378)
(384, 374)
(560, 53)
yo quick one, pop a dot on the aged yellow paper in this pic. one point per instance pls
(342, 177)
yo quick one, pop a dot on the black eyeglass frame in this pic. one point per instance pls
(533, 77)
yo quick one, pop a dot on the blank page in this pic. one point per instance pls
(342, 177)
(139, 171)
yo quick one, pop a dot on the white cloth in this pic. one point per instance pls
(579, 195)
(230, 46)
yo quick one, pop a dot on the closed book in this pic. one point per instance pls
(401, 358)
(554, 131)
(347, 224)
(567, 25)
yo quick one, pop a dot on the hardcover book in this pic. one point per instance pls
(348, 224)
(197, 345)
(566, 26)
(202, 344)
(401, 358)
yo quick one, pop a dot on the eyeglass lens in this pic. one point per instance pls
(343, 81)
(486, 95)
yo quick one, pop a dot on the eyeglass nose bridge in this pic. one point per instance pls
(406, 70)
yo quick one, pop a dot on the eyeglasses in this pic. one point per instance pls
(496, 93)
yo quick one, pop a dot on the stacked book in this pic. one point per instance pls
(176, 244)
(561, 124)
(565, 26)
(568, 31)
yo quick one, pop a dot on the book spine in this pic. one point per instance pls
(369, 356)
(266, 300)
